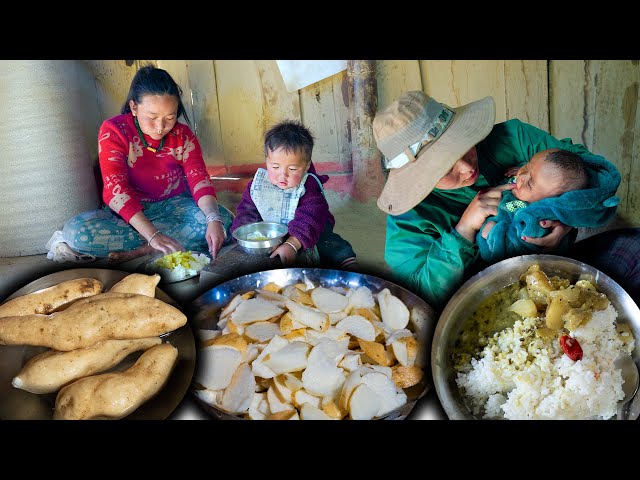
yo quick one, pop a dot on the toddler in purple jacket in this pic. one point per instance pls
(289, 191)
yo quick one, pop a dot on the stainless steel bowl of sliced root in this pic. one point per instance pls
(88, 344)
(536, 337)
(260, 238)
(311, 344)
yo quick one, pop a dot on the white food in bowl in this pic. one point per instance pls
(543, 348)
(521, 376)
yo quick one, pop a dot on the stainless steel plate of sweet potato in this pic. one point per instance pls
(87, 344)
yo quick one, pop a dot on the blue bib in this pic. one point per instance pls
(279, 205)
(275, 204)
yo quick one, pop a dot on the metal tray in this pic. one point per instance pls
(205, 310)
(16, 404)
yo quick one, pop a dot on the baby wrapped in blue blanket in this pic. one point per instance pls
(555, 184)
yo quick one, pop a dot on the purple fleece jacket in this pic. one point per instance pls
(311, 215)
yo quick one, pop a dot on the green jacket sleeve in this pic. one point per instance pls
(429, 262)
(529, 140)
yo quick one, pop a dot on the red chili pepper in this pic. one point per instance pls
(571, 347)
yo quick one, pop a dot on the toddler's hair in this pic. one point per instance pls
(292, 136)
(572, 166)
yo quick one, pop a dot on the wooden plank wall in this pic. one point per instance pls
(232, 102)
(595, 103)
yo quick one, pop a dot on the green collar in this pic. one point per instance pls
(514, 205)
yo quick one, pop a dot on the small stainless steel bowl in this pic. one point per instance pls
(275, 232)
(488, 281)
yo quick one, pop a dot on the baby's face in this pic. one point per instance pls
(538, 179)
(286, 169)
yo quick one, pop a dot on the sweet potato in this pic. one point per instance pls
(118, 394)
(51, 370)
(102, 317)
(50, 299)
(138, 283)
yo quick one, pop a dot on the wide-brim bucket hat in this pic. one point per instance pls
(421, 139)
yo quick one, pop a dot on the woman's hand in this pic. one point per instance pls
(550, 241)
(215, 238)
(286, 253)
(165, 244)
(159, 241)
(483, 205)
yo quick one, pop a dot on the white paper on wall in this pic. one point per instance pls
(298, 74)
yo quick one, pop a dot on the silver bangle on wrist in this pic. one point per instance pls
(216, 217)
(292, 246)
(152, 237)
(213, 217)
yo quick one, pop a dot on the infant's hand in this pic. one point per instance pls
(487, 228)
(286, 253)
(483, 205)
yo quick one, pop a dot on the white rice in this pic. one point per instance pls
(521, 376)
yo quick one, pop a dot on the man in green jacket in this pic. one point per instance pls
(445, 166)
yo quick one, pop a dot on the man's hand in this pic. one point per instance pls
(511, 172)
(483, 205)
(486, 229)
(550, 241)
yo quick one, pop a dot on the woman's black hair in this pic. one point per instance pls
(151, 80)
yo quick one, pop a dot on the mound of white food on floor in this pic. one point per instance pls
(178, 266)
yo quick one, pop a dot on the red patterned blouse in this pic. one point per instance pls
(132, 174)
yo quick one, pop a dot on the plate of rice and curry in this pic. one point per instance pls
(535, 337)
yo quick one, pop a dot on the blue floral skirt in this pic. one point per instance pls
(98, 232)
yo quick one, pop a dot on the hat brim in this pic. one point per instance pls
(409, 185)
